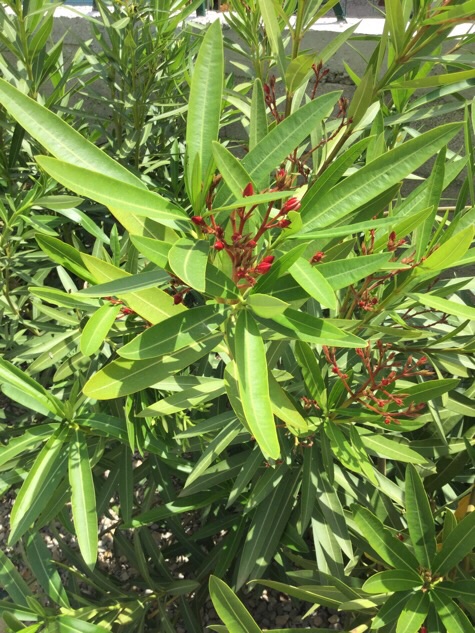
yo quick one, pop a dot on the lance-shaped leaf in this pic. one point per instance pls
(393, 580)
(123, 376)
(391, 550)
(39, 486)
(115, 194)
(391, 609)
(376, 177)
(258, 119)
(341, 273)
(40, 560)
(83, 498)
(414, 613)
(253, 381)
(11, 375)
(12, 581)
(188, 259)
(445, 305)
(230, 609)
(70, 624)
(97, 328)
(204, 112)
(313, 282)
(419, 518)
(452, 616)
(459, 543)
(231, 169)
(175, 333)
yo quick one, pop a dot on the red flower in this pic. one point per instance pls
(219, 245)
(292, 204)
(198, 220)
(268, 259)
(263, 268)
(248, 190)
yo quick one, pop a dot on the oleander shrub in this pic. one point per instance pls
(279, 357)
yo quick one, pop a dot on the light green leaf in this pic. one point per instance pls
(445, 305)
(175, 333)
(39, 485)
(204, 110)
(115, 194)
(283, 407)
(231, 169)
(434, 80)
(186, 399)
(341, 273)
(314, 282)
(391, 550)
(459, 543)
(156, 251)
(188, 260)
(376, 177)
(273, 32)
(266, 306)
(391, 449)
(123, 376)
(429, 390)
(83, 499)
(230, 609)
(29, 438)
(393, 580)
(414, 613)
(419, 518)
(97, 328)
(126, 284)
(449, 252)
(258, 118)
(298, 70)
(253, 381)
(70, 624)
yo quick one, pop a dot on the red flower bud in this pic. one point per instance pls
(292, 204)
(317, 257)
(266, 89)
(387, 421)
(178, 298)
(423, 629)
(248, 190)
(198, 220)
(284, 223)
(127, 311)
(252, 243)
(392, 236)
(263, 268)
(268, 259)
(280, 173)
(422, 360)
(219, 245)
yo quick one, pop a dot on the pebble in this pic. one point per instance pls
(281, 620)
(334, 619)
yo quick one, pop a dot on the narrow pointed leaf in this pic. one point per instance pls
(40, 560)
(12, 581)
(231, 169)
(419, 518)
(452, 616)
(188, 260)
(254, 385)
(391, 550)
(459, 543)
(97, 328)
(393, 580)
(230, 609)
(391, 609)
(414, 613)
(445, 305)
(314, 282)
(83, 499)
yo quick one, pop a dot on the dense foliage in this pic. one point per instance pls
(273, 345)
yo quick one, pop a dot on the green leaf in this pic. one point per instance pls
(12, 581)
(317, 594)
(204, 111)
(231, 169)
(258, 118)
(124, 376)
(126, 284)
(390, 610)
(29, 438)
(186, 399)
(41, 562)
(414, 613)
(434, 80)
(420, 520)
(429, 390)
(313, 282)
(273, 32)
(70, 624)
(188, 260)
(311, 372)
(11, 375)
(376, 177)
(463, 590)
(391, 550)
(230, 609)
(391, 449)
(283, 407)
(449, 252)
(453, 618)
(458, 544)
(393, 580)
(97, 328)
(39, 485)
(342, 273)
(306, 327)
(298, 70)
(332, 510)
(266, 306)
(266, 529)
(156, 251)
(444, 305)
(115, 194)
(83, 499)
(175, 333)
(64, 255)
(250, 356)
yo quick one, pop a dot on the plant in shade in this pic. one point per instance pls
(275, 350)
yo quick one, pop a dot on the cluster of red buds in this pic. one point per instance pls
(317, 258)
(393, 243)
(382, 370)
(124, 311)
(240, 245)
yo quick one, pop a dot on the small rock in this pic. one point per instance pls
(281, 620)
(334, 619)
